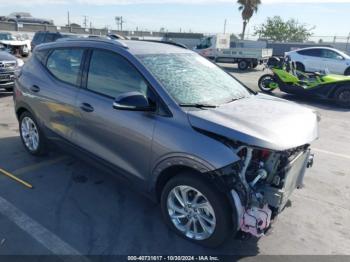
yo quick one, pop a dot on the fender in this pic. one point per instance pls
(19, 105)
(179, 159)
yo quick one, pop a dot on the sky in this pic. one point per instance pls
(329, 17)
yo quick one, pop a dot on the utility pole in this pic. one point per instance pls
(85, 21)
(225, 26)
(68, 18)
(119, 21)
(347, 43)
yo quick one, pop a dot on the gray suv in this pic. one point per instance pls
(220, 158)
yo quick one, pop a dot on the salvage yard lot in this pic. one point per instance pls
(75, 208)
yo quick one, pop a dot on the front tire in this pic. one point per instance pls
(32, 137)
(264, 83)
(342, 96)
(196, 211)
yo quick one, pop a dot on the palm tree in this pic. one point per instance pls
(248, 7)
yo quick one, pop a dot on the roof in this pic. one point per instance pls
(316, 47)
(144, 47)
(135, 47)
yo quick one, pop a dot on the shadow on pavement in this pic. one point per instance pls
(98, 213)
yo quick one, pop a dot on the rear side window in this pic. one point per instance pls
(64, 64)
(39, 37)
(311, 52)
(50, 38)
(112, 75)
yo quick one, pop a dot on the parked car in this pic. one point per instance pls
(23, 17)
(315, 59)
(8, 65)
(13, 45)
(219, 157)
(42, 37)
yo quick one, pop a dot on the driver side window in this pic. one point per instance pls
(330, 54)
(111, 75)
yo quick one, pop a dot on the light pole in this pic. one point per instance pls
(119, 21)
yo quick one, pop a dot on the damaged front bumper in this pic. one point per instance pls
(265, 196)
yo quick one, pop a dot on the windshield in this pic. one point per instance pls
(6, 37)
(343, 54)
(192, 79)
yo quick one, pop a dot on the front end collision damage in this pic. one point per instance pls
(261, 183)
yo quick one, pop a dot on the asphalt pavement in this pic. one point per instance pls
(75, 208)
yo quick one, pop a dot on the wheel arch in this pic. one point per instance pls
(172, 166)
(336, 87)
(20, 110)
(298, 63)
(347, 70)
(168, 174)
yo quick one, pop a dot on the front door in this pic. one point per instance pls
(122, 138)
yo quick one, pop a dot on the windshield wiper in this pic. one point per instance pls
(235, 99)
(198, 105)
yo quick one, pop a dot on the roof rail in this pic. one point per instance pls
(94, 39)
(165, 42)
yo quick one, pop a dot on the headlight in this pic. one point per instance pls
(20, 62)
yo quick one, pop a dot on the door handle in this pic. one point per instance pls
(35, 89)
(86, 107)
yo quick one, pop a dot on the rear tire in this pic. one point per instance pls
(243, 65)
(300, 67)
(347, 72)
(189, 185)
(342, 96)
(264, 81)
(32, 137)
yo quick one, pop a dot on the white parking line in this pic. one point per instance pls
(45, 237)
(331, 153)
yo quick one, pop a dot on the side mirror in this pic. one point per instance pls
(339, 57)
(133, 101)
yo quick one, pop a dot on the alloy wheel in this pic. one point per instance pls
(30, 134)
(191, 212)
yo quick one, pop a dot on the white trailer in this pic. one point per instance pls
(245, 53)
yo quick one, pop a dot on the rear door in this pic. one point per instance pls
(53, 88)
(312, 60)
(122, 138)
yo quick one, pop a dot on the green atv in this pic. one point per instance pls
(289, 80)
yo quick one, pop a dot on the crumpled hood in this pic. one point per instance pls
(262, 121)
